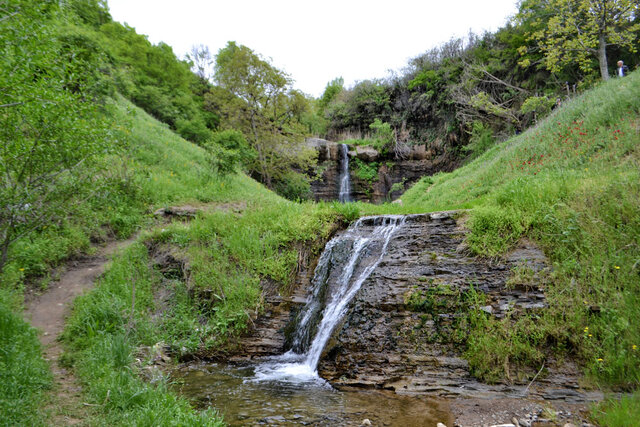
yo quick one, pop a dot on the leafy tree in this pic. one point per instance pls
(49, 133)
(265, 109)
(577, 31)
(333, 88)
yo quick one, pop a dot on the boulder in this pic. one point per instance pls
(419, 152)
(367, 154)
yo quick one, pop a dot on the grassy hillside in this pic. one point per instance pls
(572, 183)
(243, 236)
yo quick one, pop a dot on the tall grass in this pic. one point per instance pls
(24, 375)
(104, 335)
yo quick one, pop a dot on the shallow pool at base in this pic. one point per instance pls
(234, 391)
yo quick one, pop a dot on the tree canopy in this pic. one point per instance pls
(574, 32)
(266, 109)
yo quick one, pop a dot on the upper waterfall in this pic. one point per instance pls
(345, 181)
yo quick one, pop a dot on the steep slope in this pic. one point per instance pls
(572, 184)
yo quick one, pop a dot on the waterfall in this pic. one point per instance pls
(345, 182)
(347, 261)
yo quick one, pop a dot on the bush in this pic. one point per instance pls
(293, 186)
(481, 139)
(222, 161)
(383, 135)
(234, 140)
(194, 130)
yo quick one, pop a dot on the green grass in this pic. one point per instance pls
(24, 375)
(573, 185)
(104, 335)
(618, 413)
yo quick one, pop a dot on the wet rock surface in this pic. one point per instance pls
(386, 340)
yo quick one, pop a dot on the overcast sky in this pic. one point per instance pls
(315, 42)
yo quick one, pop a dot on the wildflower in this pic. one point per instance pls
(599, 360)
(617, 267)
(590, 335)
(634, 347)
(21, 269)
(586, 329)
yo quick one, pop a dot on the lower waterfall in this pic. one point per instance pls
(347, 261)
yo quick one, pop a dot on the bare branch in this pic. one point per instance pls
(13, 104)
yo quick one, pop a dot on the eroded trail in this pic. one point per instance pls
(47, 313)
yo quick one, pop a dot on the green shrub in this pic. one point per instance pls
(194, 130)
(481, 139)
(234, 140)
(293, 186)
(365, 171)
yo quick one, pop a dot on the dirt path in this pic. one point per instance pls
(47, 313)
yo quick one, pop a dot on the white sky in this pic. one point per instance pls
(315, 42)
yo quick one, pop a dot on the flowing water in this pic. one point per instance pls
(345, 264)
(286, 389)
(344, 195)
(244, 402)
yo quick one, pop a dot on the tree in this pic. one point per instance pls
(202, 61)
(577, 31)
(49, 131)
(265, 108)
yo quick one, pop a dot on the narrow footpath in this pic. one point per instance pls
(47, 313)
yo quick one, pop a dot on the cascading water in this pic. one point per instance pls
(358, 252)
(344, 195)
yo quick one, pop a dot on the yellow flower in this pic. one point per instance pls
(21, 269)
(616, 267)
(634, 347)
(590, 335)
(586, 328)
(599, 360)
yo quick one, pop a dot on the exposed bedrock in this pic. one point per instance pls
(402, 173)
(385, 342)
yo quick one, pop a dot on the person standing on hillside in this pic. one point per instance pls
(622, 69)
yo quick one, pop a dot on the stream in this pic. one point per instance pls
(242, 400)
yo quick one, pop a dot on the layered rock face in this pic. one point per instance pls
(419, 162)
(397, 333)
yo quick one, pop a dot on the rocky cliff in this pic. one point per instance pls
(397, 332)
(401, 172)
